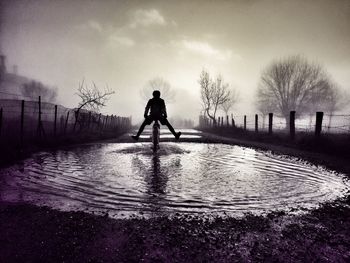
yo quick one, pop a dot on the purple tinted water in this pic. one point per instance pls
(127, 178)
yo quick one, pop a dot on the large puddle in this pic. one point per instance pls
(127, 178)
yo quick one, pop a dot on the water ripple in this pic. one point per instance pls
(183, 177)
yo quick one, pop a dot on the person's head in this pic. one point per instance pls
(156, 94)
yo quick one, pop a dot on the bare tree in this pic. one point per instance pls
(229, 104)
(336, 101)
(265, 106)
(35, 89)
(160, 84)
(213, 94)
(92, 98)
(293, 84)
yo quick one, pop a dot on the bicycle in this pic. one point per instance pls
(155, 135)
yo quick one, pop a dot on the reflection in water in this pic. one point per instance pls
(181, 177)
(156, 185)
(156, 178)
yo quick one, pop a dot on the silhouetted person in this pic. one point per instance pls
(158, 112)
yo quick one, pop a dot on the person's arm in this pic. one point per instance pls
(164, 110)
(148, 106)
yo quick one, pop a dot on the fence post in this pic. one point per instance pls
(99, 119)
(292, 124)
(39, 116)
(76, 114)
(270, 122)
(40, 125)
(245, 122)
(319, 118)
(22, 124)
(55, 123)
(106, 124)
(256, 123)
(65, 125)
(103, 123)
(89, 121)
(0, 120)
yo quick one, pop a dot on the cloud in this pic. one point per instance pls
(122, 40)
(145, 18)
(91, 26)
(204, 48)
(94, 25)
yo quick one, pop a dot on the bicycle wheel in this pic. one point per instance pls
(155, 135)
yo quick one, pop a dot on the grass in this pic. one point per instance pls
(331, 144)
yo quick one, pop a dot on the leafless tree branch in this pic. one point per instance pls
(294, 84)
(167, 93)
(213, 94)
(92, 98)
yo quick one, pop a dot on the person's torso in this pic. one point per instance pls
(157, 106)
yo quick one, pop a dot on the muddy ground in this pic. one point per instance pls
(40, 234)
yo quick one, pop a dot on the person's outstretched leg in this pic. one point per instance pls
(142, 127)
(176, 134)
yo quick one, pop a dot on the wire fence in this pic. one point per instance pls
(23, 121)
(331, 124)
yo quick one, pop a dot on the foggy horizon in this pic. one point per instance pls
(124, 44)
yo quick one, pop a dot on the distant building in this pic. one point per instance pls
(12, 85)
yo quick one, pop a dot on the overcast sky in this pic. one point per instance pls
(126, 43)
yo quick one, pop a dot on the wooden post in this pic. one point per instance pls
(55, 122)
(106, 124)
(0, 120)
(292, 124)
(76, 114)
(103, 123)
(270, 122)
(89, 120)
(22, 124)
(256, 123)
(65, 125)
(39, 117)
(99, 119)
(227, 123)
(245, 122)
(319, 118)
